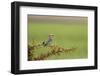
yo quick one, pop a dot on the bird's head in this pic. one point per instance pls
(51, 35)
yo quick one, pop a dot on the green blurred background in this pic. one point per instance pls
(69, 31)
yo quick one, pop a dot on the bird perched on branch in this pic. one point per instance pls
(48, 41)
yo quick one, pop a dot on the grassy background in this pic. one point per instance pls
(66, 36)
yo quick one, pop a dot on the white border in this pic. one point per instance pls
(26, 65)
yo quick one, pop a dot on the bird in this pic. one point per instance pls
(48, 41)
